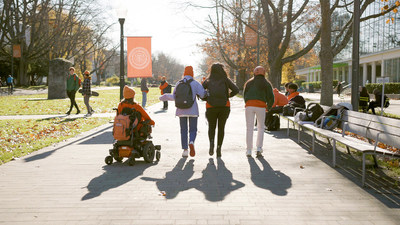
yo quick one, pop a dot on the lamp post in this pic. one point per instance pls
(355, 93)
(121, 14)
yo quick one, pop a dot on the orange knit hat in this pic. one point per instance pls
(128, 92)
(259, 70)
(188, 71)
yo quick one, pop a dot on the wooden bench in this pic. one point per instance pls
(372, 127)
(4, 90)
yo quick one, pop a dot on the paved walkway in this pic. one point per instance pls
(69, 183)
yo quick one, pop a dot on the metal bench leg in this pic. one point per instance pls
(313, 141)
(334, 153)
(375, 161)
(298, 134)
(348, 150)
(287, 132)
(363, 170)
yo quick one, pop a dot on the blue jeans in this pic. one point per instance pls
(144, 99)
(184, 130)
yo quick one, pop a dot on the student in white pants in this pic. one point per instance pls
(258, 96)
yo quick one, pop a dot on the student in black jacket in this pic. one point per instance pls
(220, 88)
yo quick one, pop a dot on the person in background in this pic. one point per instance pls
(364, 99)
(87, 92)
(295, 98)
(10, 84)
(164, 85)
(339, 88)
(280, 101)
(72, 88)
(378, 101)
(218, 109)
(258, 96)
(145, 90)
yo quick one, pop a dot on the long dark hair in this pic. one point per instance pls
(217, 72)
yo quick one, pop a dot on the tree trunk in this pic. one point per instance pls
(241, 79)
(326, 56)
(275, 74)
(23, 76)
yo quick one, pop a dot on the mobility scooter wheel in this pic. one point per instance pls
(131, 161)
(109, 160)
(148, 152)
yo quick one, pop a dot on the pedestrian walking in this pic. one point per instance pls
(72, 88)
(145, 90)
(219, 89)
(339, 88)
(258, 96)
(10, 84)
(163, 85)
(86, 91)
(187, 110)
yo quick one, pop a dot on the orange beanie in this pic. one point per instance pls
(188, 71)
(259, 70)
(128, 92)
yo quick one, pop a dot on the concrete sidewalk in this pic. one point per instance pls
(69, 183)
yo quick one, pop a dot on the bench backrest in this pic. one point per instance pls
(368, 126)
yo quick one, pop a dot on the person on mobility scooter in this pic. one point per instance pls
(132, 131)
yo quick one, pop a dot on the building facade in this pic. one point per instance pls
(379, 50)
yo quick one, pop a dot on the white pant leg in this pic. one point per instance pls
(249, 112)
(260, 115)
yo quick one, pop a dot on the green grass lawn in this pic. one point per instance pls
(21, 137)
(39, 104)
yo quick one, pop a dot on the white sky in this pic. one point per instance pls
(170, 24)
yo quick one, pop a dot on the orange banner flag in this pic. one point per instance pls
(139, 57)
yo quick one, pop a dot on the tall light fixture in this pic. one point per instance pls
(121, 13)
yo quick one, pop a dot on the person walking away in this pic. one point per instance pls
(258, 96)
(280, 101)
(364, 99)
(145, 90)
(72, 88)
(339, 88)
(86, 92)
(10, 84)
(186, 108)
(163, 86)
(218, 109)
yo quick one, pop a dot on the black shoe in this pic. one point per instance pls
(79, 111)
(69, 112)
(218, 151)
(211, 151)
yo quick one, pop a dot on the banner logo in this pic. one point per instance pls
(139, 58)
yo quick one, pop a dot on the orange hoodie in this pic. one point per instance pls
(280, 99)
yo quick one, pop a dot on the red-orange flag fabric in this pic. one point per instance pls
(139, 57)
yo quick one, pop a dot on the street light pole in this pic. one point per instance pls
(121, 67)
(355, 93)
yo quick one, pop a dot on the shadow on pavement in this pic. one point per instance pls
(176, 180)
(378, 184)
(48, 153)
(216, 182)
(104, 138)
(160, 111)
(267, 178)
(114, 176)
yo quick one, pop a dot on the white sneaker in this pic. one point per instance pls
(248, 153)
(185, 153)
(260, 150)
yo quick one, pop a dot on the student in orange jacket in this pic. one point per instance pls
(127, 101)
(164, 85)
(277, 107)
